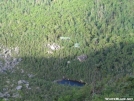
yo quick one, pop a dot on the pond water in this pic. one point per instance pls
(70, 82)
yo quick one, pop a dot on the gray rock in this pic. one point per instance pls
(1, 95)
(6, 94)
(49, 52)
(22, 71)
(18, 87)
(76, 45)
(54, 46)
(82, 58)
(5, 89)
(16, 95)
(30, 75)
(16, 49)
(8, 81)
(65, 38)
(7, 61)
(22, 82)
(27, 86)
(68, 62)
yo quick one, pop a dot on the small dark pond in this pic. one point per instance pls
(70, 82)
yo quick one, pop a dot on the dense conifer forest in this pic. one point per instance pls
(40, 41)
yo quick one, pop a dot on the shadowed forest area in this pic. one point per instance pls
(101, 29)
(108, 72)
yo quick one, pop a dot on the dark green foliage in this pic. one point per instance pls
(104, 30)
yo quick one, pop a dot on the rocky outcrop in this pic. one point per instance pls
(8, 58)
